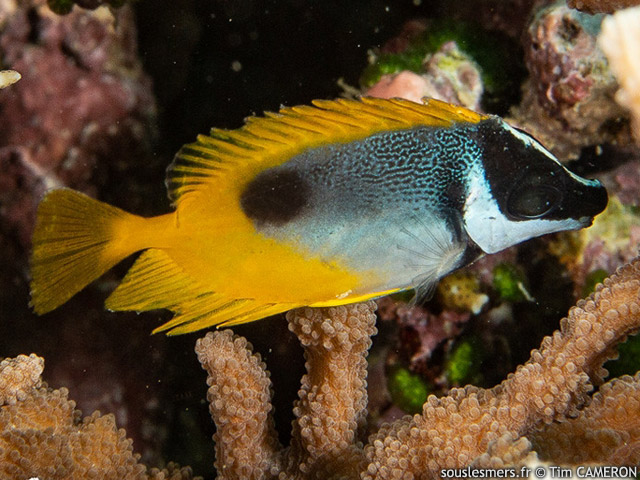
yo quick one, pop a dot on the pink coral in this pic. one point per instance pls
(568, 102)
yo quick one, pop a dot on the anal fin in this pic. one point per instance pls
(156, 281)
(221, 313)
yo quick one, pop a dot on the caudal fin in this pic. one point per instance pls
(76, 239)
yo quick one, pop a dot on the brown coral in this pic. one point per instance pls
(18, 376)
(469, 427)
(550, 386)
(239, 394)
(331, 407)
(42, 435)
(333, 397)
(608, 428)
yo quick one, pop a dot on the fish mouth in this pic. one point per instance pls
(587, 201)
(596, 199)
(585, 221)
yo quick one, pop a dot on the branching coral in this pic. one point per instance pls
(608, 428)
(473, 425)
(18, 376)
(331, 407)
(470, 426)
(42, 435)
(239, 397)
(537, 413)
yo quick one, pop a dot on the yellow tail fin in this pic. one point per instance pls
(76, 240)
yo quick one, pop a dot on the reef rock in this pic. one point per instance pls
(82, 109)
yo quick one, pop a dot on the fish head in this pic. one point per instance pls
(518, 190)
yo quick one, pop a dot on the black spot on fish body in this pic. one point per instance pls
(275, 197)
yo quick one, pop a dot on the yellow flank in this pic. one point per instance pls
(225, 253)
(206, 262)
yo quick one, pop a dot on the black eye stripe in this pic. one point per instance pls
(511, 165)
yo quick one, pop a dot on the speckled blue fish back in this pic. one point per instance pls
(418, 169)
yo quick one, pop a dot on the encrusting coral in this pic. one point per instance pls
(469, 427)
(42, 435)
(82, 112)
(568, 100)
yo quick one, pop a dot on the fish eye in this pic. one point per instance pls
(533, 201)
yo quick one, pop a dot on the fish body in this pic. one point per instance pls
(314, 206)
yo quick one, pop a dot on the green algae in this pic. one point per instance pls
(628, 361)
(592, 280)
(462, 365)
(509, 282)
(408, 390)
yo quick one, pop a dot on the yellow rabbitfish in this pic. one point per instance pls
(318, 205)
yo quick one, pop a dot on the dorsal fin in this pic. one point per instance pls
(271, 140)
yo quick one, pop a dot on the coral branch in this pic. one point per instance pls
(544, 400)
(463, 426)
(240, 404)
(18, 376)
(559, 374)
(469, 427)
(42, 434)
(608, 428)
(333, 397)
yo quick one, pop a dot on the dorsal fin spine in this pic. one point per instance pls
(327, 118)
(226, 147)
(250, 139)
(266, 130)
(301, 124)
